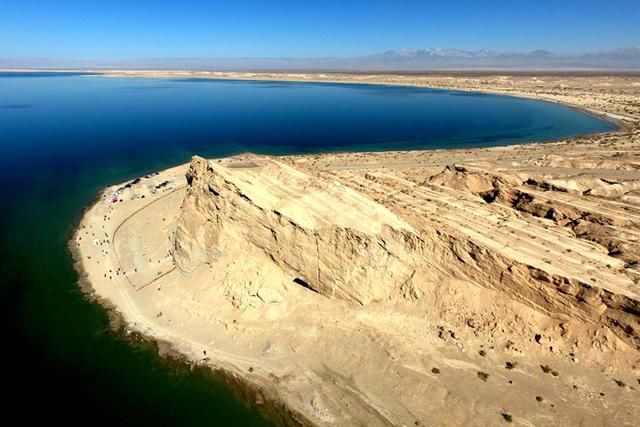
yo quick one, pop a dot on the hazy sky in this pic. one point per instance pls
(115, 29)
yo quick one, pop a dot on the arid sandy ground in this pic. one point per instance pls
(446, 287)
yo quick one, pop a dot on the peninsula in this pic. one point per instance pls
(441, 287)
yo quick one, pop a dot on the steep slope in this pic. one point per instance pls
(325, 236)
(291, 226)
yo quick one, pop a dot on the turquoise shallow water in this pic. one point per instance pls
(64, 138)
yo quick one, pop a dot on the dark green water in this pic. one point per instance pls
(64, 138)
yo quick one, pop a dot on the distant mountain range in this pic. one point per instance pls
(392, 60)
(625, 58)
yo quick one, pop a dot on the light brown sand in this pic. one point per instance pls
(524, 255)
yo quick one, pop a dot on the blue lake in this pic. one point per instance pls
(63, 138)
(68, 119)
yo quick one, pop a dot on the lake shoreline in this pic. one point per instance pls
(262, 398)
(248, 388)
(337, 77)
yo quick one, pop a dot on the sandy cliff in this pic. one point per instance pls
(322, 234)
(329, 238)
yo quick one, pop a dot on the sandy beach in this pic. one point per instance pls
(439, 287)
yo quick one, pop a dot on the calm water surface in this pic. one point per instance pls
(63, 138)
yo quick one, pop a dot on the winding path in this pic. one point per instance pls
(127, 218)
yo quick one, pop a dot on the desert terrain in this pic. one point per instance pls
(442, 287)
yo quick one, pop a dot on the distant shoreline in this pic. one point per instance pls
(452, 72)
(351, 77)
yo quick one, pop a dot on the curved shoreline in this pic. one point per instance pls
(352, 78)
(248, 389)
(260, 396)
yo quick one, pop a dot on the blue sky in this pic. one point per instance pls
(115, 29)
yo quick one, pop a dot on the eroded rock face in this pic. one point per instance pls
(613, 303)
(460, 178)
(259, 222)
(326, 236)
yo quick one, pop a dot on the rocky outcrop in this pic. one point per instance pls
(461, 178)
(535, 197)
(561, 297)
(276, 221)
(325, 236)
